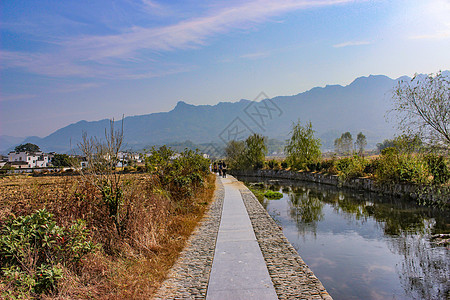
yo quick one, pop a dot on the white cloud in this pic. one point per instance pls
(352, 43)
(256, 55)
(17, 97)
(434, 20)
(433, 36)
(105, 56)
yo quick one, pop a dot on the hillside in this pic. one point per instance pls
(333, 109)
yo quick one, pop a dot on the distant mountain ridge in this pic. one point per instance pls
(333, 109)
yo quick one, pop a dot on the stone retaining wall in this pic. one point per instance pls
(188, 278)
(291, 276)
(366, 184)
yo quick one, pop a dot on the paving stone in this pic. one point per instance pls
(290, 276)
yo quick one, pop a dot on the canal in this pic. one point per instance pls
(361, 245)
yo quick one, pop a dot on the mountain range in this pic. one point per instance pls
(358, 107)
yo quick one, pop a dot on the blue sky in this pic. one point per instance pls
(65, 61)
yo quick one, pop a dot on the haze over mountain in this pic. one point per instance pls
(333, 109)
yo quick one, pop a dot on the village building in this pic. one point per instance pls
(29, 159)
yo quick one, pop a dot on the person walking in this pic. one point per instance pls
(220, 168)
(224, 170)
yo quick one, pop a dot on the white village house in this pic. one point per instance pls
(29, 159)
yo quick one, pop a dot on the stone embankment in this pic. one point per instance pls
(188, 278)
(365, 184)
(291, 277)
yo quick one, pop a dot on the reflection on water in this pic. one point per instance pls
(360, 245)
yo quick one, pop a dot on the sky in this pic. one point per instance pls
(66, 61)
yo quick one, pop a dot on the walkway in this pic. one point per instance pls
(238, 270)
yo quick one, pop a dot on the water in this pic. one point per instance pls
(360, 245)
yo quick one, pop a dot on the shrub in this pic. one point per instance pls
(328, 166)
(128, 169)
(179, 174)
(273, 164)
(438, 168)
(33, 250)
(284, 164)
(273, 195)
(351, 167)
(392, 167)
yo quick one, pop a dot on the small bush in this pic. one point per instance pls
(181, 174)
(438, 168)
(284, 164)
(273, 164)
(328, 166)
(351, 167)
(33, 250)
(128, 169)
(141, 169)
(273, 195)
(392, 167)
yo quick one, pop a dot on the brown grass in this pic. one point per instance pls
(131, 266)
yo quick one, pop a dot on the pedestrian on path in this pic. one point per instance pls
(224, 170)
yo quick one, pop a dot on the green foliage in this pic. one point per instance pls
(284, 164)
(33, 250)
(438, 168)
(273, 195)
(179, 174)
(113, 198)
(273, 164)
(235, 154)
(344, 144)
(303, 148)
(351, 167)
(28, 147)
(385, 144)
(248, 154)
(255, 151)
(361, 143)
(61, 160)
(403, 144)
(395, 167)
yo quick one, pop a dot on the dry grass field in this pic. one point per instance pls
(127, 266)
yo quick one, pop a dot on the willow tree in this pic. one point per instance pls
(361, 143)
(255, 151)
(303, 148)
(422, 106)
(235, 151)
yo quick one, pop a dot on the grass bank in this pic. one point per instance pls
(129, 265)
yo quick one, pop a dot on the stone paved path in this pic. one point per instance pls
(239, 270)
(226, 239)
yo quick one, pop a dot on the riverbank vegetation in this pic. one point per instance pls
(103, 233)
(419, 156)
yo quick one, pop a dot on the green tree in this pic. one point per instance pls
(361, 143)
(28, 147)
(255, 152)
(385, 144)
(422, 107)
(344, 144)
(303, 148)
(235, 151)
(61, 160)
(347, 142)
(404, 144)
(338, 145)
